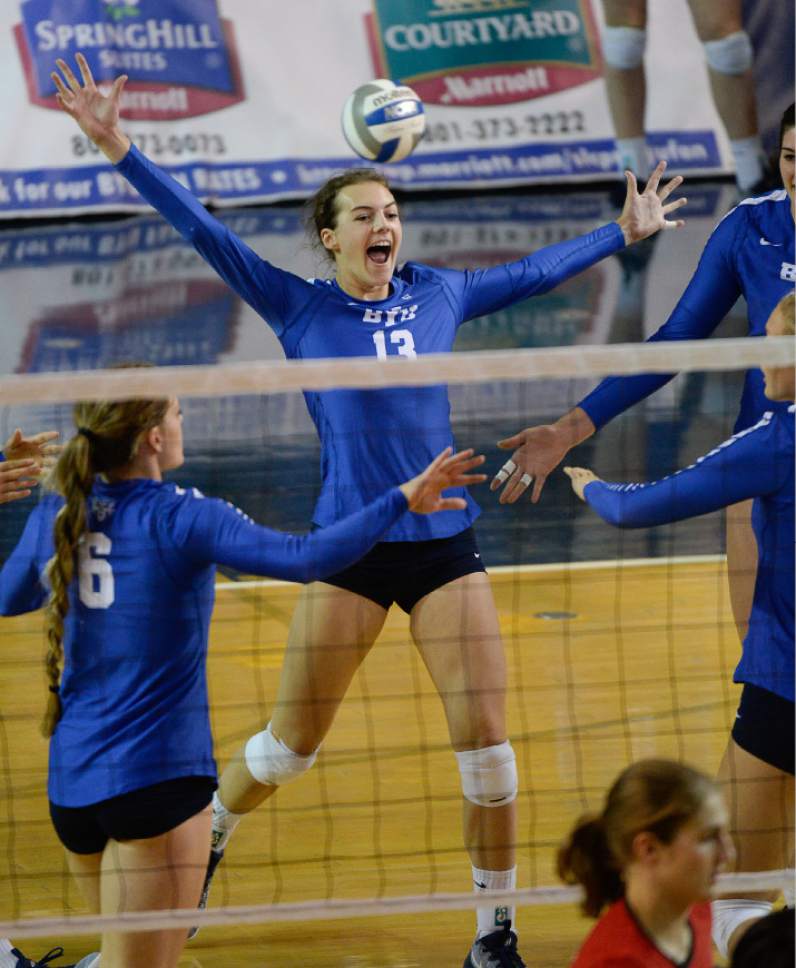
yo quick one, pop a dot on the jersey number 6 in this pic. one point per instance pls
(95, 577)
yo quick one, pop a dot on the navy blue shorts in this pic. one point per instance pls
(406, 571)
(148, 812)
(764, 727)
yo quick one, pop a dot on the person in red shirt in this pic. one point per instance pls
(651, 858)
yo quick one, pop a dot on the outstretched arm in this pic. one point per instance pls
(644, 213)
(711, 293)
(225, 535)
(264, 287)
(748, 465)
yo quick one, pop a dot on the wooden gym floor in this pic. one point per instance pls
(608, 662)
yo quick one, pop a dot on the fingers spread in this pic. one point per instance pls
(673, 206)
(669, 187)
(85, 70)
(116, 87)
(64, 93)
(45, 436)
(7, 497)
(655, 177)
(510, 443)
(66, 70)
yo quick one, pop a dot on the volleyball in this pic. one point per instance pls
(383, 121)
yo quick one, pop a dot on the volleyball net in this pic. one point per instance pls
(620, 644)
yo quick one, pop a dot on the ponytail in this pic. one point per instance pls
(73, 477)
(586, 859)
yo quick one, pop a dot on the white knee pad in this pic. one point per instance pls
(789, 894)
(729, 914)
(731, 55)
(489, 776)
(271, 762)
(623, 47)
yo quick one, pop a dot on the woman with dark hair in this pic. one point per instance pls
(130, 563)
(650, 857)
(757, 769)
(369, 439)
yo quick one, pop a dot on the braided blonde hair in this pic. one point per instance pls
(109, 433)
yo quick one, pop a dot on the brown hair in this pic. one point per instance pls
(108, 436)
(788, 121)
(322, 207)
(654, 795)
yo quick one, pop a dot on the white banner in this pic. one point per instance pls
(242, 98)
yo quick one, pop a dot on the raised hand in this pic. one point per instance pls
(17, 479)
(536, 452)
(580, 477)
(39, 449)
(644, 212)
(424, 492)
(95, 112)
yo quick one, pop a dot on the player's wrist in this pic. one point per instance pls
(114, 145)
(574, 427)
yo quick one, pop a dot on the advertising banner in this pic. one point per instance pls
(241, 99)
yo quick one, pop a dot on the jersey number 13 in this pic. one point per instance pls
(401, 338)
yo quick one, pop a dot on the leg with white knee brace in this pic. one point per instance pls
(489, 785)
(730, 66)
(729, 56)
(253, 775)
(623, 52)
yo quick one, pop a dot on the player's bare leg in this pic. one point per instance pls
(741, 563)
(625, 80)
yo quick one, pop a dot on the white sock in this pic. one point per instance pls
(90, 961)
(6, 959)
(491, 918)
(224, 823)
(749, 160)
(633, 155)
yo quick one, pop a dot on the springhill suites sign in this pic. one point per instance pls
(479, 52)
(179, 54)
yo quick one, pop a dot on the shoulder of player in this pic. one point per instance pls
(413, 273)
(190, 501)
(615, 932)
(759, 212)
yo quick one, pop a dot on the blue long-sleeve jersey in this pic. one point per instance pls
(754, 463)
(750, 254)
(133, 690)
(370, 439)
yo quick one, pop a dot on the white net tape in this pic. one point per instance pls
(732, 884)
(269, 376)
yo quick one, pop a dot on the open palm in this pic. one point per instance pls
(95, 112)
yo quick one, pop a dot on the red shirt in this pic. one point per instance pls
(619, 941)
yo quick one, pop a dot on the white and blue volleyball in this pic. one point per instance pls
(383, 121)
